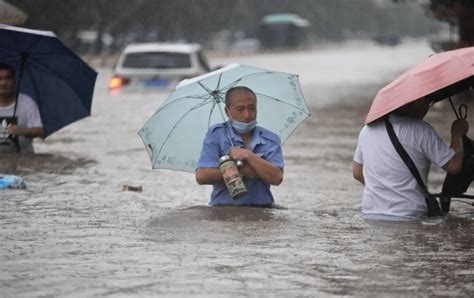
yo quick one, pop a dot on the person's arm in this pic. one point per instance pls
(458, 129)
(31, 132)
(207, 170)
(208, 176)
(358, 173)
(265, 170)
(248, 172)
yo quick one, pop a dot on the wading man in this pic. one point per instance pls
(257, 147)
(390, 190)
(20, 119)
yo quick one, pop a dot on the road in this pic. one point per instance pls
(75, 232)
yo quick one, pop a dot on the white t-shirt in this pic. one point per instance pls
(28, 116)
(391, 192)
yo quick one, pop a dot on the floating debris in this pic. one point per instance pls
(132, 188)
(11, 181)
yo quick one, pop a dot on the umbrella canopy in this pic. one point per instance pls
(285, 18)
(174, 135)
(58, 80)
(11, 15)
(439, 76)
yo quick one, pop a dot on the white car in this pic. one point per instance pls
(151, 66)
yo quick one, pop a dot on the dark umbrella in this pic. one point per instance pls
(59, 82)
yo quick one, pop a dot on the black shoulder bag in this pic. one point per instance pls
(431, 201)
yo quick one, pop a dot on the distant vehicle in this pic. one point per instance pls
(151, 66)
(390, 40)
(283, 30)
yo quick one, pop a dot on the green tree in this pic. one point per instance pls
(458, 13)
(200, 20)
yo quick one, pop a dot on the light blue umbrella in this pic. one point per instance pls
(173, 136)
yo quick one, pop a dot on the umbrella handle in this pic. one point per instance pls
(454, 109)
(24, 59)
(461, 113)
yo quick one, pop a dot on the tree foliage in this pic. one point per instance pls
(458, 13)
(200, 20)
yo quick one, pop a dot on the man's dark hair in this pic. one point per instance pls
(410, 109)
(237, 89)
(8, 67)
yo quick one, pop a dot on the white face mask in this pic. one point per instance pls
(242, 127)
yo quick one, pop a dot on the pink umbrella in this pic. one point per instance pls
(439, 76)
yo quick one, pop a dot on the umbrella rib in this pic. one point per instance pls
(212, 110)
(204, 96)
(232, 84)
(219, 81)
(205, 88)
(181, 98)
(176, 124)
(12, 51)
(210, 114)
(31, 45)
(38, 102)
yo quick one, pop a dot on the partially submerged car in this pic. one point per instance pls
(149, 66)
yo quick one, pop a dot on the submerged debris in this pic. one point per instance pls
(11, 181)
(132, 188)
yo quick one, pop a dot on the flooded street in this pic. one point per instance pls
(76, 232)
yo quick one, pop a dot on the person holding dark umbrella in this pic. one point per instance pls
(55, 78)
(20, 120)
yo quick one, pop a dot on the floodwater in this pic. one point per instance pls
(76, 232)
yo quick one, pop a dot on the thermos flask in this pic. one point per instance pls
(233, 181)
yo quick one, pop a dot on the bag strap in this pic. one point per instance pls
(404, 155)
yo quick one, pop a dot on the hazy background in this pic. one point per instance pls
(103, 25)
(75, 232)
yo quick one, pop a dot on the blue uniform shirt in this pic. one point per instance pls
(265, 144)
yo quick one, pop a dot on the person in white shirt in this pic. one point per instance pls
(28, 121)
(390, 190)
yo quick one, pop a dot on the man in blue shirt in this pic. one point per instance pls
(257, 147)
